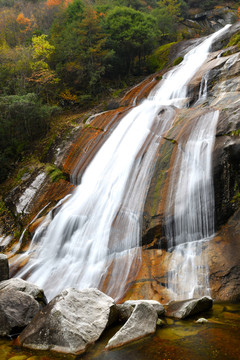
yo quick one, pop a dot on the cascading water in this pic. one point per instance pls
(190, 210)
(99, 226)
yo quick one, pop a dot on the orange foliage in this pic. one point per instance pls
(239, 13)
(52, 3)
(25, 22)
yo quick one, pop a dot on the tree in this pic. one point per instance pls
(80, 50)
(44, 78)
(168, 14)
(23, 119)
(131, 34)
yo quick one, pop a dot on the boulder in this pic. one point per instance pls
(187, 308)
(72, 321)
(4, 267)
(26, 287)
(156, 305)
(17, 309)
(142, 322)
(124, 311)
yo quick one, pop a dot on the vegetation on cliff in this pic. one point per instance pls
(69, 53)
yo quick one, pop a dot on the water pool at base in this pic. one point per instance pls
(219, 339)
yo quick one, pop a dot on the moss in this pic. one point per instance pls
(88, 126)
(54, 172)
(234, 40)
(116, 93)
(235, 132)
(236, 198)
(178, 60)
(160, 58)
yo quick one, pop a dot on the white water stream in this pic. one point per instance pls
(190, 210)
(99, 226)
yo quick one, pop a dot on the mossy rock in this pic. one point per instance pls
(160, 58)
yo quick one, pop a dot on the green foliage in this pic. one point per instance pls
(75, 10)
(131, 33)
(54, 173)
(235, 40)
(22, 120)
(160, 58)
(168, 14)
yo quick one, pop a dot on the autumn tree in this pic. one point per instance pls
(43, 76)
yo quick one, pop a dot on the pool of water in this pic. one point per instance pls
(218, 339)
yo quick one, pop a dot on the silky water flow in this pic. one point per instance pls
(99, 226)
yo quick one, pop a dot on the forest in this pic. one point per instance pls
(68, 54)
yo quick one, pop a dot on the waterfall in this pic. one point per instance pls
(99, 227)
(190, 210)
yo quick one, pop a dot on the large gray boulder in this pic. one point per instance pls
(187, 308)
(17, 309)
(26, 287)
(141, 323)
(4, 267)
(70, 322)
(156, 305)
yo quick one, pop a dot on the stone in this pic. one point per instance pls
(124, 311)
(142, 322)
(201, 321)
(26, 287)
(17, 309)
(160, 322)
(187, 308)
(72, 321)
(4, 267)
(156, 305)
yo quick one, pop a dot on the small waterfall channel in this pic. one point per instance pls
(98, 228)
(190, 210)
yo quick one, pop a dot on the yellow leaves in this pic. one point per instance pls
(67, 95)
(42, 49)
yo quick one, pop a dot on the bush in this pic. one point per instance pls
(23, 119)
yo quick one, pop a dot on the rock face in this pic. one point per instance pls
(17, 309)
(16, 284)
(187, 308)
(70, 322)
(141, 323)
(4, 267)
